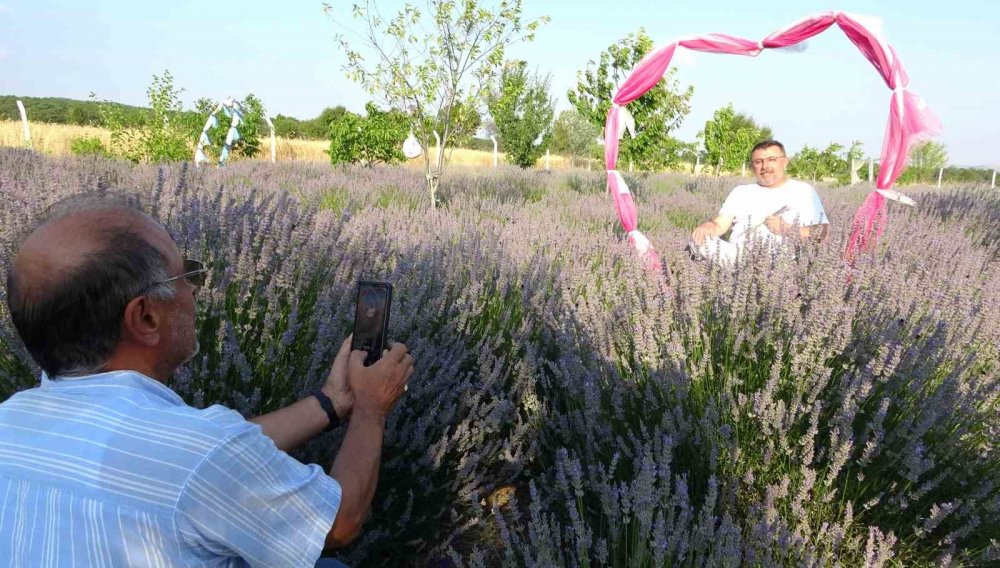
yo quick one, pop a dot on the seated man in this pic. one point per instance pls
(768, 210)
(103, 464)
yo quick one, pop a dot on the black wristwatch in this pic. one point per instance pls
(327, 405)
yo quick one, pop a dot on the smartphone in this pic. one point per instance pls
(371, 319)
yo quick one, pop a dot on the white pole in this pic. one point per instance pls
(871, 169)
(546, 160)
(494, 139)
(437, 148)
(24, 121)
(697, 163)
(993, 183)
(743, 170)
(940, 175)
(630, 166)
(274, 148)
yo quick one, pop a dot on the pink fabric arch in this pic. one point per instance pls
(910, 120)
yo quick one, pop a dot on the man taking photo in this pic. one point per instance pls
(104, 465)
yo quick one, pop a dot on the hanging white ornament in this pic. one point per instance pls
(411, 147)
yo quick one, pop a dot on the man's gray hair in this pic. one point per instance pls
(72, 326)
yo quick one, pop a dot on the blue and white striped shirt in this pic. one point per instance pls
(114, 469)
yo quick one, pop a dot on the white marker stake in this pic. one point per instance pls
(274, 147)
(871, 169)
(940, 175)
(494, 139)
(437, 146)
(993, 183)
(24, 121)
(697, 163)
(546, 160)
(743, 170)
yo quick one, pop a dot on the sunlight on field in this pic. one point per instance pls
(53, 139)
(56, 140)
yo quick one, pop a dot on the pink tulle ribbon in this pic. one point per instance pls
(910, 120)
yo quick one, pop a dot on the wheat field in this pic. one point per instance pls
(56, 139)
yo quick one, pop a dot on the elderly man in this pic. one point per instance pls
(772, 208)
(104, 465)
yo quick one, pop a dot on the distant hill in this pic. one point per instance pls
(58, 110)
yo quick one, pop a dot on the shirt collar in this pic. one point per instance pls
(133, 380)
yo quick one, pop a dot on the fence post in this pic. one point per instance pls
(871, 169)
(940, 175)
(546, 160)
(697, 163)
(743, 170)
(993, 183)
(494, 139)
(24, 121)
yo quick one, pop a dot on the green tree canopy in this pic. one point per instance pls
(574, 136)
(729, 137)
(522, 112)
(425, 63)
(375, 138)
(657, 113)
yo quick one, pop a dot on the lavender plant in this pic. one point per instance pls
(794, 411)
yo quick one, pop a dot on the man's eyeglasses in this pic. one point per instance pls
(770, 160)
(194, 272)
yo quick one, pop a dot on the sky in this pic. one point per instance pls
(285, 53)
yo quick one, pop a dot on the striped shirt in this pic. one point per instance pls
(114, 469)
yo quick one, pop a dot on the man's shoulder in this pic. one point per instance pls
(798, 185)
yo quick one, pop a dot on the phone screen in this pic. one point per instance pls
(371, 319)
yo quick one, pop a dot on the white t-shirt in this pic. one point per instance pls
(751, 204)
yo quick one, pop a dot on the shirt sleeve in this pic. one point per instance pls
(250, 500)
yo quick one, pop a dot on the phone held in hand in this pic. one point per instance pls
(371, 319)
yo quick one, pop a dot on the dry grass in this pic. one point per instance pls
(53, 139)
(56, 139)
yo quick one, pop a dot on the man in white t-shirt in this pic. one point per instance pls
(766, 211)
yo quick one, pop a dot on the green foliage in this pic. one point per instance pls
(831, 163)
(728, 139)
(164, 132)
(575, 136)
(54, 110)
(925, 162)
(368, 140)
(314, 129)
(87, 146)
(658, 112)
(522, 112)
(250, 129)
(428, 64)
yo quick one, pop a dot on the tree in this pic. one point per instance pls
(522, 112)
(925, 159)
(250, 128)
(427, 64)
(831, 163)
(375, 138)
(161, 133)
(657, 113)
(574, 136)
(728, 139)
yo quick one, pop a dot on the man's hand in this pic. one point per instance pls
(704, 231)
(377, 388)
(336, 386)
(776, 225)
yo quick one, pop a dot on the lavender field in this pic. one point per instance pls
(792, 412)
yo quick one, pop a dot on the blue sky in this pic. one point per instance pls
(285, 53)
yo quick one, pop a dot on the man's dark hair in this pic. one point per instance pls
(71, 326)
(767, 144)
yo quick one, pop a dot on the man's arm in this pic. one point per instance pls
(778, 226)
(714, 228)
(297, 423)
(376, 390)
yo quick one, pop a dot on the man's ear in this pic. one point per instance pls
(143, 321)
